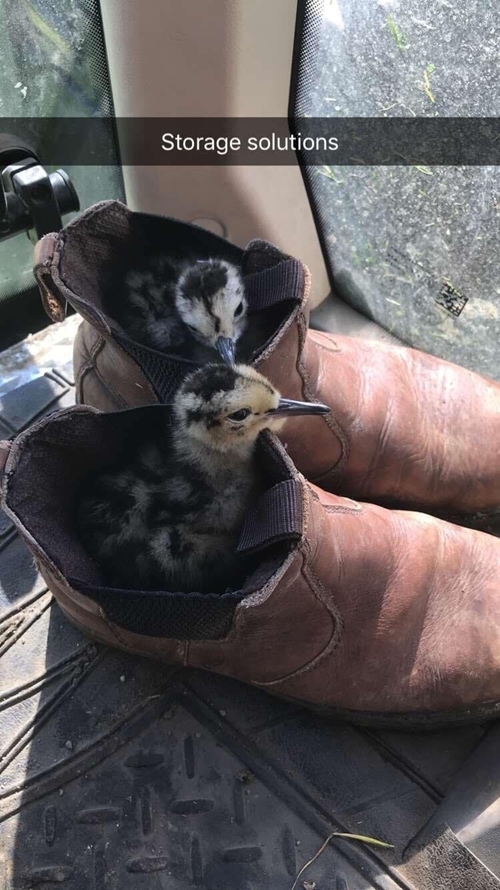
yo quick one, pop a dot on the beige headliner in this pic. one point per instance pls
(213, 58)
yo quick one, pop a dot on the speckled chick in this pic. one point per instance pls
(169, 517)
(191, 307)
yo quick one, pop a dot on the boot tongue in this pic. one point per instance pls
(277, 516)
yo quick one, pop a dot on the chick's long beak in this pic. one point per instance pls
(225, 347)
(290, 407)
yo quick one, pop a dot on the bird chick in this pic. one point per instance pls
(191, 307)
(169, 517)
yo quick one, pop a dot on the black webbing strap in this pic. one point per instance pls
(277, 516)
(282, 282)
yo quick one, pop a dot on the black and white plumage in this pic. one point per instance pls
(168, 518)
(188, 306)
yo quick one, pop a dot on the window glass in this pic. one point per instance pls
(52, 64)
(414, 248)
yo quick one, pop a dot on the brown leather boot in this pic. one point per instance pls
(405, 428)
(378, 616)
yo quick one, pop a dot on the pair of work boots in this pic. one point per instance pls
(371, 611)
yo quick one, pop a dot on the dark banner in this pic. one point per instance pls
(423, 142)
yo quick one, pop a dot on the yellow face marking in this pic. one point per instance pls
(253, 394)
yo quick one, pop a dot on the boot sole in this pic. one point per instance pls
(418, 721)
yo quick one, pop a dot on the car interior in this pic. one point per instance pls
(121, 772)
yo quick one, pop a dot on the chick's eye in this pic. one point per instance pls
(242, 414)
(238, 310)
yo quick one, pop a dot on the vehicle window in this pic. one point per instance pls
(52, 64)
(415, 248)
